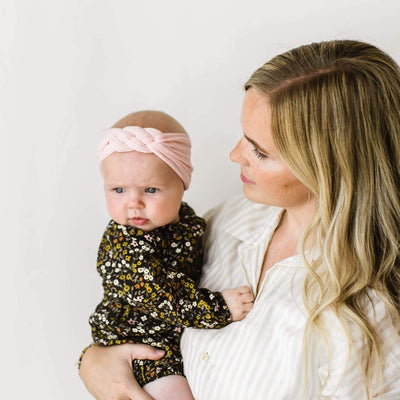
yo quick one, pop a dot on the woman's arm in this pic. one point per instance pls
(107, 371)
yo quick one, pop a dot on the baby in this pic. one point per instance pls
(150, 256)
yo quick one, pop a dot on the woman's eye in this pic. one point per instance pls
(259, 155)
(119, 190)
(151, 190)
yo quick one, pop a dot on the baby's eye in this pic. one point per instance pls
(151, 190)
(119, 190)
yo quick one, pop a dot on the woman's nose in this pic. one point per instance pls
(237, 155)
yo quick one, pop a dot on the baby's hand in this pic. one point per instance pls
(239, 301)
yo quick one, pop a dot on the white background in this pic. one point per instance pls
(69, 69)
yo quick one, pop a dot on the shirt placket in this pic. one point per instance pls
(250, 264)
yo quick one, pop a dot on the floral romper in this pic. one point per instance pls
(150, 291)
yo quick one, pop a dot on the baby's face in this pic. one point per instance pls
(141, 190)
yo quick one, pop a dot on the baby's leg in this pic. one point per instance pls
(171, 387)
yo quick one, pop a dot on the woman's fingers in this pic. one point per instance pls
(107, 371)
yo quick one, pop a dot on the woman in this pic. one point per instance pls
(317, 240)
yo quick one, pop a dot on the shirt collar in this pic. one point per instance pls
(253, 222)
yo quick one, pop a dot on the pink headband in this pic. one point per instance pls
(172, 148)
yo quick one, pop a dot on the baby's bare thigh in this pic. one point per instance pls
(172, 387)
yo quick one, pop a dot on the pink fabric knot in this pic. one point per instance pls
(172, 148)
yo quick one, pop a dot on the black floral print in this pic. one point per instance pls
(151, 292)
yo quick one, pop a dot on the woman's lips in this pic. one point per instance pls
(244, 179)
(139, 221)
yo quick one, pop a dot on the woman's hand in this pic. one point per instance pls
(107, 371)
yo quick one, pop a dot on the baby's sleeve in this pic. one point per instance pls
(173, 297)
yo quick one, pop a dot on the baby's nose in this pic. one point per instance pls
(135, 202)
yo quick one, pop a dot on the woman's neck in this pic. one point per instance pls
(285, 239)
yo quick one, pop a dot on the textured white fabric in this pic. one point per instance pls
(261, 357)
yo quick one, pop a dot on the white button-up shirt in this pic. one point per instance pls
(261, 357)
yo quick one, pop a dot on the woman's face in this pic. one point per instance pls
(266, 178)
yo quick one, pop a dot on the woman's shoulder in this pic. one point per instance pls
(238, 210)
(228, 207)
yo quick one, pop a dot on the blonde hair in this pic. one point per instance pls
(336, 121)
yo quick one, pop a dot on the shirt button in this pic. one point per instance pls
(205, 357)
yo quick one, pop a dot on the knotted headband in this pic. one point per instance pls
(172, 148)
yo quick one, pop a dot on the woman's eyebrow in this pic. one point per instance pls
(255, 144)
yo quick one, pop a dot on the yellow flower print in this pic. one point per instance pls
(203, 304)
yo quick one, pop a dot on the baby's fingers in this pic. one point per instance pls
(247, 307)
(247, 297)
(244, 289)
